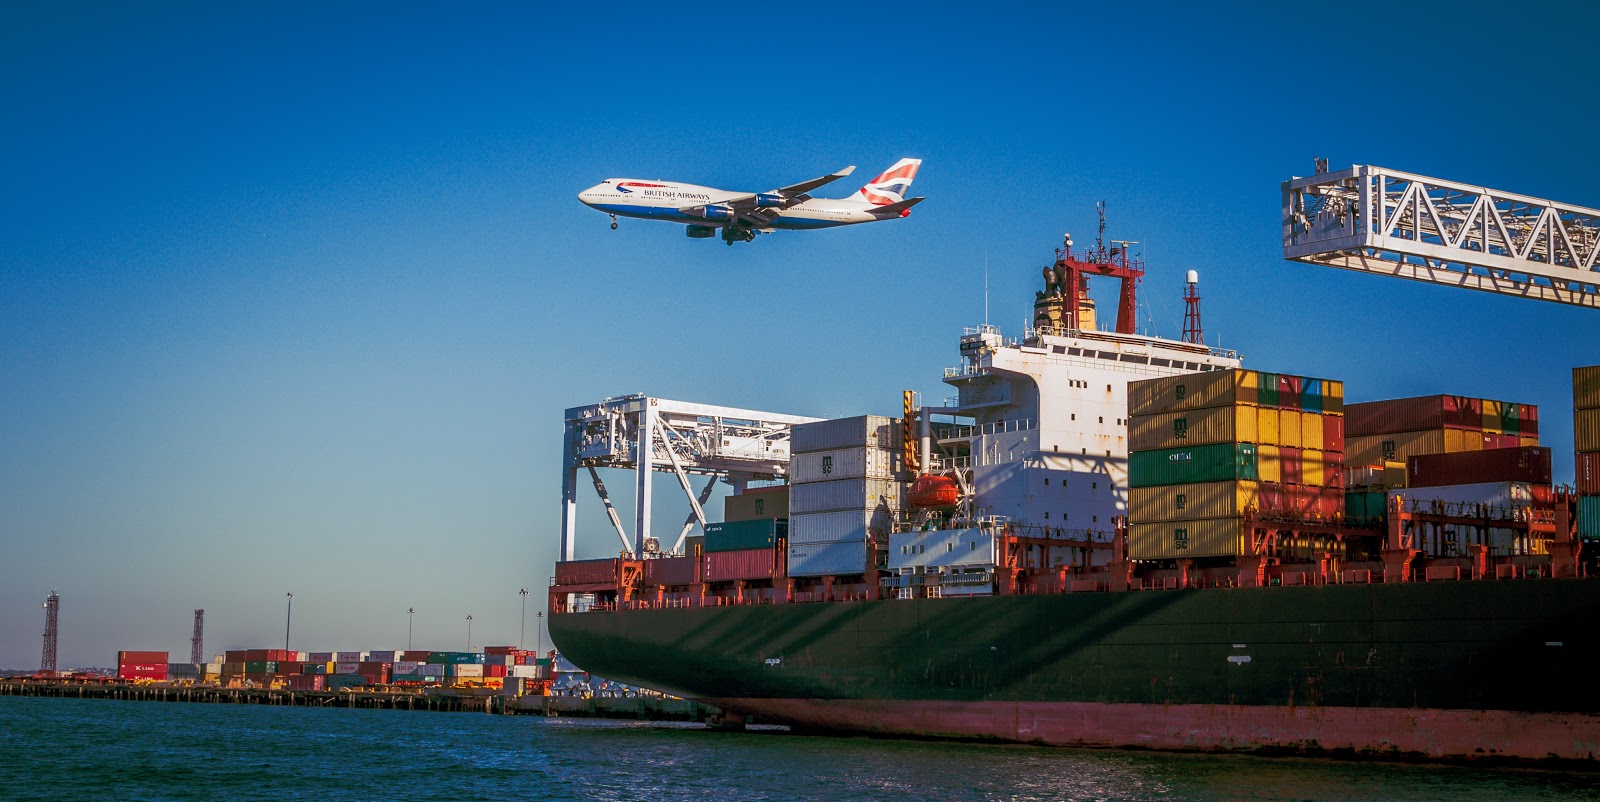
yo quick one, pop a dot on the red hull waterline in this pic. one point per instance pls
(1392, 732)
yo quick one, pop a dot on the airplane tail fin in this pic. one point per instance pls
(890, 187)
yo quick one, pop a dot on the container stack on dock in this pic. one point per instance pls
(1586, 436)
(320, 671)
(1205, 448)
(142, 665)
(843, 494)
(1391, 431)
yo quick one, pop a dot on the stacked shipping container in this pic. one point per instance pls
(843, 491)
(1206, 447)
(1391, 431)
(1586, 440)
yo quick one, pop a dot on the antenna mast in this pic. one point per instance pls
(1191, 310)
(52, 612)
(197, 649)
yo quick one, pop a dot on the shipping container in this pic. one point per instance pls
(1365, 506)
(1531, 465)
(383, 657)
(1586, 429)
(1529, 415)
(319, 657)
(1413, 414)
(1269, 464)
(1324, 396)
(415, 656)
(860, 462)
(845, 494)
(235, 656)
(1291, 466)
(756, 503)
(1589, 517)
(588, 572)
(349, 657)
(1204, 537)
(142, 665)
(724, 566)
(308, 683)
(1194, 427)
(825, 527)
(1589, 473)
(1399, 446)
(1491, 417)
(740, 535)
(1187, 501)
(347, 668)
(334, 682)
(1289, 429)
(1586, 387)
(847, 558)
(1212, 463)
(1303, 501)
(875, 431)
(1289, 391)
(941, 548)
(1220, 388)
(672, 571)
(1269, 426)
(464, 670)
(1333, 433)
(454, 658)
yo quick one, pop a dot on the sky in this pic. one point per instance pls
(292, 298)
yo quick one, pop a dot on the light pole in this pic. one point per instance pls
(522, 639)
(288, 617)
(538, 618)
(469, 632)
(411, 615)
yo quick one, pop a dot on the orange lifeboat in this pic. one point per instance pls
(933, 492)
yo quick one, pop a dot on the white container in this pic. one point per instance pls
(349, 657)
(941, 549)
(844, 494)
(469, 670)
(529, 672)
(875, 431)
(827, 527)
(827, 559)
(346, 668)
(843, 463)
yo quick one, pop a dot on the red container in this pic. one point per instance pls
(1529, 416)
(1292, 460)
(501, 650)
(1302, 500)
(1290, 390)
(258, 656)
(1413, 414)
(1589, 474)
(414, 657)
(1530, 464)
(588, 572)
(1333, 434)
(494, 671)
(1501, 441)
(236, 656)
(307, 682)
(723, 566)
(283, 655)
(672, 571)
(1333, 472)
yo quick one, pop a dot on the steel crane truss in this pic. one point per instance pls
(681, 438)
(1388, 222)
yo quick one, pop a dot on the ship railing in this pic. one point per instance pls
(981, 328)
(964, 369)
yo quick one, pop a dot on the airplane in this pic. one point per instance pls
(741, 215)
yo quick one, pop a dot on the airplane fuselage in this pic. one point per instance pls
(662, 200)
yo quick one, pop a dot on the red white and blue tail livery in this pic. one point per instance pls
(741, 215)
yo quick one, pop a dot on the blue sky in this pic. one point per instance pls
(292, 299)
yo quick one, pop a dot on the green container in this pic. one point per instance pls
(1365, 505)
(1219, 462)
(260, 667)
(455, 658)
(738, 535)
(1510, 421)
(1589, 517)
(1267, 389)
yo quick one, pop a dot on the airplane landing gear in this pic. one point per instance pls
(613, 222)
(732, 234)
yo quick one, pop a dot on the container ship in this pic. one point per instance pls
(1107, 539)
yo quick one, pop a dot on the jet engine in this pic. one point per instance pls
(715, 212)
(700, 232)
(767, 200)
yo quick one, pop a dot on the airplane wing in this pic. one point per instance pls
(789, 195)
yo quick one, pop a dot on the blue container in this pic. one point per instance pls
(1589, 517)
(1311, 396)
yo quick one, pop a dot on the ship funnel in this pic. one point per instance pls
(1192, 277)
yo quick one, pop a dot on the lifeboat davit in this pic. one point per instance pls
(933, 492)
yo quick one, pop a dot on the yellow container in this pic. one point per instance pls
(1586, 387)
(1311, 430)
(1267, 428)
(1193, 427)
(1289, 429)
(1268, 466)
(1190, 501)
(1491, 416)
(1586, 428)
(1462, 440)
(1203, 537)
(1332, 397)
(1375, 448)
(1528, 440)
(1313, 467)
(1192, 391)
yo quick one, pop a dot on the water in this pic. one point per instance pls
(64, 749)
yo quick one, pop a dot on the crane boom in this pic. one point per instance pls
(1393, 223)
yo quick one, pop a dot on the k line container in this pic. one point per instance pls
(845, 494)
(844, 463)
(747, 564)
(1209, 463)
(1205, 537)
(757, 503)
(739, 535)
(875, 431)
(1586, 429)
(1586, 387)
(1531, 465)
(847, 558)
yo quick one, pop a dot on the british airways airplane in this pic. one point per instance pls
(741, 215)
